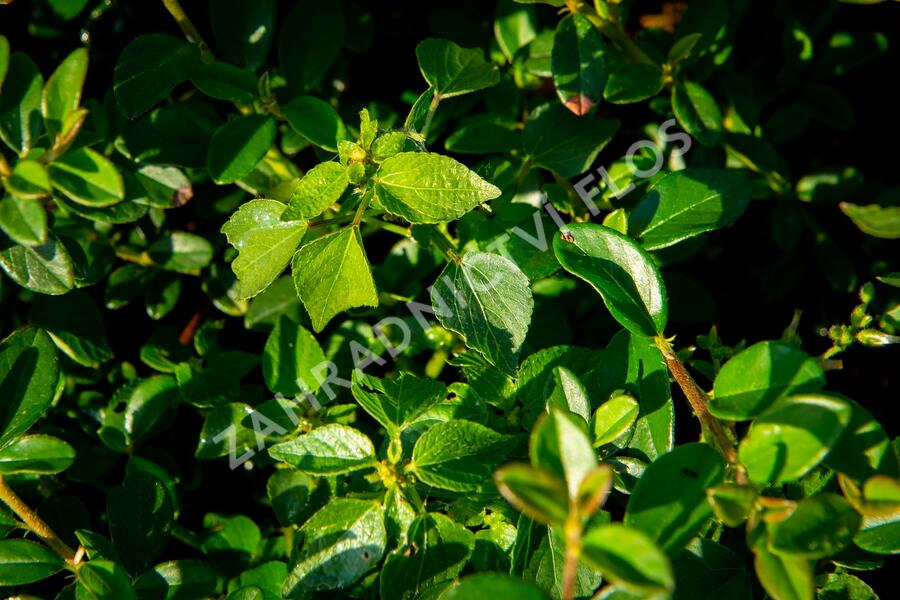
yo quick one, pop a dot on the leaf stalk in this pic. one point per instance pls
(34, 523)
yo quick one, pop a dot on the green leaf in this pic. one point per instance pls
(486, 299)
(514, 28)
(75, 324)
(62, 94)
(290, 359)
(176, 579)
(268, 577)
(818, 527)
(20, 103)
(23, 562)
(634, 362)
(627, 557)
(565, 391)
(24, 221)
(697, 111)
(864, 449)
(29, 375)
(784, 577)
(669, 501)
(341, 542)
(556, 139)
(877, 221)
(491, 586)
(452, 70)
(320, 188)
(546, 567)
(230, 536)
(579, 64)
(458, 455)
(149, 68)
(29, 180)
(4, 59)
(226, 82)
(288, 491)
(87, 177)
(315, 120)
(238, 146)
(436, 550)
(484, 134)
(687, 203)
(629, 81)
(396, 403)
(536, 492)
(614, 421)
(560, 445)
(45, 269)
(332, 274)
(140, 513)
(708, 569)
(732, 502)
(243, 30)
(622, 273)
(327, 450)
(753, 379)
(423, 187)
(264, 242)
(36, 454)
(844, 586)
(790, 438)
(310, 42)
(181, 252)
(102, 580)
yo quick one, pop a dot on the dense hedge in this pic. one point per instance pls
(448, 300)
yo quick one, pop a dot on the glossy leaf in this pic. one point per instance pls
(579, 64)
(238, 146)
(627, 557)
(784, 577)
(62, 94)
(20, 103)
(176, 579)
(45, 269)
(486, 299)
(36, 454)
(687, 203)
(560, 445)
(87, 177)
(790, 438)
(29, 374)
(315, 120)
(556, 139)
(24, 221)
(24, 562)
(536, 492)
(622, 273)
(818, 527)
(669, 501)
(872, 219)
(140, 513)
(755, 378)
(697, 111)
(149, 68)
(310, 41)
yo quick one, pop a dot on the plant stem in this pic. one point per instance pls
(188, 28)
(573, 549)
(445, 246)
(392, 227)
(431, 110)
(712, 427)
(361, 209)
(35, 523)
(614, 32)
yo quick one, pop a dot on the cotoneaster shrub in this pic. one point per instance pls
(561, 314)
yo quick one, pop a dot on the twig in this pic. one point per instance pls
(34, 523)
(573, 550)
(712, 427)
(190, 330)
(188, 28)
